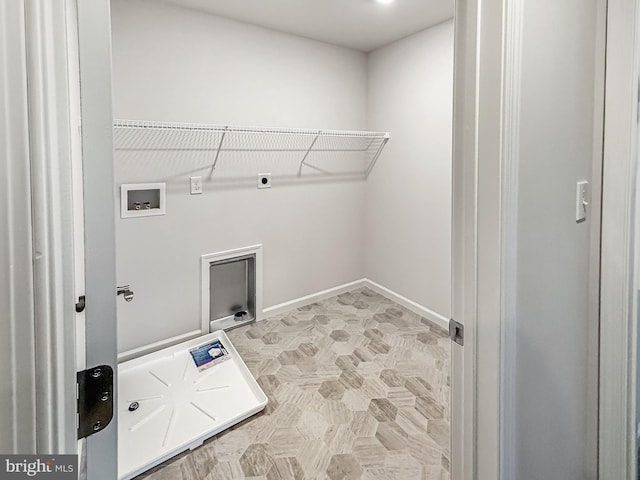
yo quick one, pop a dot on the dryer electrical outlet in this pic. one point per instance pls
(264, 180)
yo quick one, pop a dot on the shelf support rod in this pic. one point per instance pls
(308, 152)
(375, 157)
(215, 160)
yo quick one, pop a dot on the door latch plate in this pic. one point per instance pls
(456, 332)
(82, 303)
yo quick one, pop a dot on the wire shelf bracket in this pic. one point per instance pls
(215, 160)
(308, 152)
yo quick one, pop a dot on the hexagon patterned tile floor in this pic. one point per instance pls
(358, 388)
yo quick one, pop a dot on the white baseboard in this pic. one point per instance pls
(313, 298)
(436, 318)
(297, 303)
(154, 347)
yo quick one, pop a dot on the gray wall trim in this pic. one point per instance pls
(477, 251)
(509, 237)
(617, 330)
(52, 221)
(17, 377)
(489, 249)
(593, 345)
(463, 275)
(94, 39)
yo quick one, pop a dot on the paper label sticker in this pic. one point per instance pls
(209, 354)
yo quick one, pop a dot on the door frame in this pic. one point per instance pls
(52, 218)
(68, 48)
(618, 328)
(486, 142)
(17, 345)
(477, 254)
(480, 224)
(68, 92)
(42, 295)
(475, 378)
(477, 277)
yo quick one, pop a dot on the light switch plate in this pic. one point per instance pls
(582, 200)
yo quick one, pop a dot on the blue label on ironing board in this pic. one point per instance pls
(207, 355)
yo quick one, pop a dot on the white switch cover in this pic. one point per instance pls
(196, 185)
(582, 200)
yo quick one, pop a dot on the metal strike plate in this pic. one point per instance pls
(95, 400)
(456, 332)
(82, 304)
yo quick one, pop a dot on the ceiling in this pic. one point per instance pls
(359, 24)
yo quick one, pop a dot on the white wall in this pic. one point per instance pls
(408, 208)
(172, 64)
(553, 358)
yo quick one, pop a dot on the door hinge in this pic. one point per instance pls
(95, 400)
(456, 332)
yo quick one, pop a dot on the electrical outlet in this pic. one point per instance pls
(196, 185)
(264, 180)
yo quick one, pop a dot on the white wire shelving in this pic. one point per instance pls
(307, 148)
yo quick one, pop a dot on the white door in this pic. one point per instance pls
(94, 47)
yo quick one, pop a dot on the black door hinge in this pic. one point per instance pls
(95, 400)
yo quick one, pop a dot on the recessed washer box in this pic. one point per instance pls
(142, 199)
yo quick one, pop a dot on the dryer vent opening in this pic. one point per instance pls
(230, 290)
